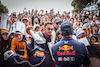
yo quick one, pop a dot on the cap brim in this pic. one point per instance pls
(24, 19)
(2, 32)
(84, 28)
(18, 33)
(58, 20)
(82, 32)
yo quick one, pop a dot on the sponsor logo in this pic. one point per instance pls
(66, 47)
(66, 58)
(66, 42)
(9, 53)
(65, 53)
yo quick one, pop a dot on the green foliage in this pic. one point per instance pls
(73, 3)
(3, 8)
(80, 4)
(98, 5)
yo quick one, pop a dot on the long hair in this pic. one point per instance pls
(93, 50)
(4, 44)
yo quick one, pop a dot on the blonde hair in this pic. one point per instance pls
(28, 28)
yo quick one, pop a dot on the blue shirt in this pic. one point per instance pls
(70, 53)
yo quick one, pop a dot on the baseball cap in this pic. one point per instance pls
(57, 19)
(18, 32)
(25, 18)
(4, 31)
(66, 26)
(85, 26)
(9, 55)
(36, 25)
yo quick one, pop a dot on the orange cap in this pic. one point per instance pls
(4, 31)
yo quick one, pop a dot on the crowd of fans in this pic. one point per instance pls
(84, 24)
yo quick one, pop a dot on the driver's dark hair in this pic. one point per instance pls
(67, 32)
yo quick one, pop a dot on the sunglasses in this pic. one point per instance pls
(37, 27)
(58, 23)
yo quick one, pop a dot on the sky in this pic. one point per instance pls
(18, 5)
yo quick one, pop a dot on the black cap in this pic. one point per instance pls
(66, 26)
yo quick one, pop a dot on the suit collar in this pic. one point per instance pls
(67, 38)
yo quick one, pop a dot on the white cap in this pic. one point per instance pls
(24, 19)
(8, 54)
(4, 22)
(21, 27)
(18, 33)
(18, 26)
(57, 19)
(36, 25)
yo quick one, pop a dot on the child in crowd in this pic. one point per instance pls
(58, 35)
(94, 38)
(5, 42)
(81, 37)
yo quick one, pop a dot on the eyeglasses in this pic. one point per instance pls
(49, 28)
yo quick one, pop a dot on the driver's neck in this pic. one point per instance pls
(67, 36)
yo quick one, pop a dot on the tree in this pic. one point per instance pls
(3, 8)
(98, 6)
(80, 4)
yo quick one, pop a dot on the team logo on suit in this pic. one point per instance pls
(66, 50)
(66, 47)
